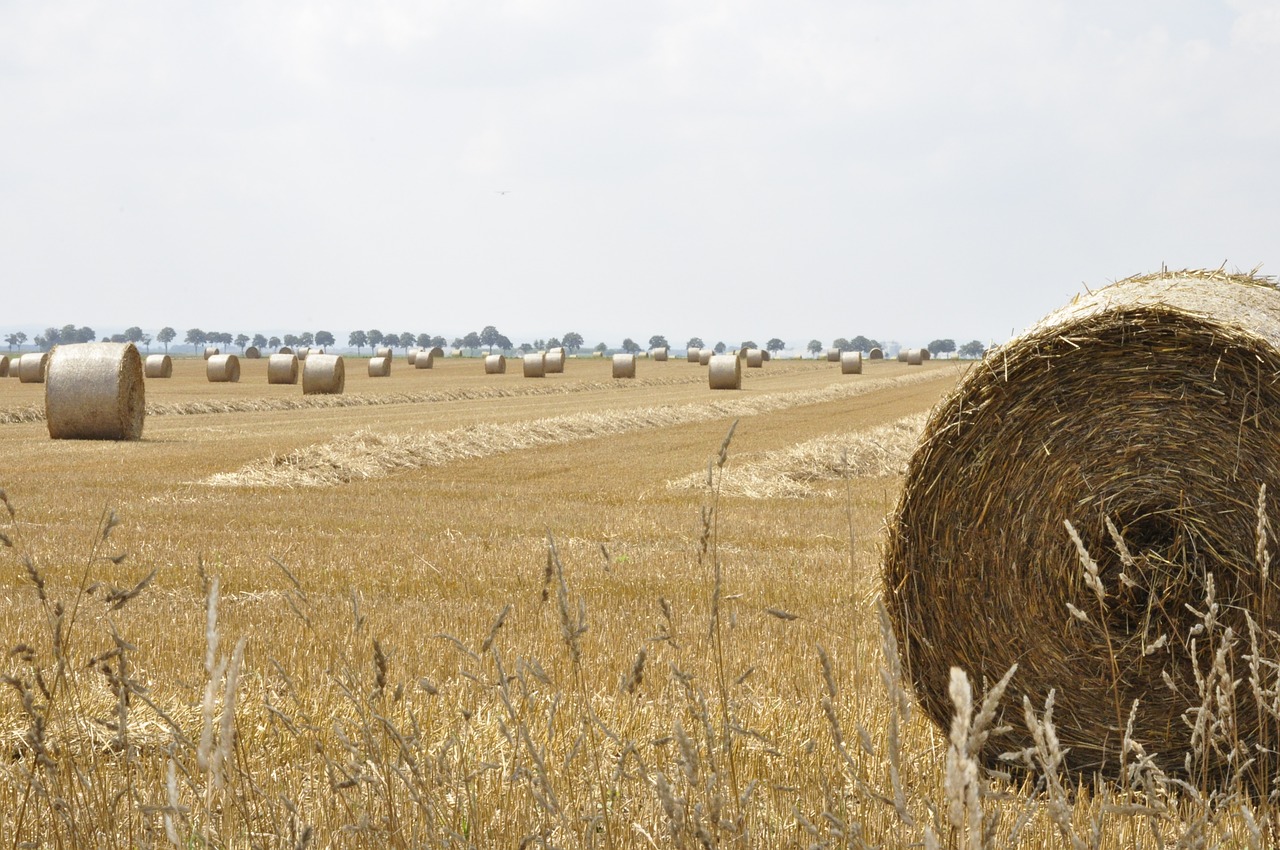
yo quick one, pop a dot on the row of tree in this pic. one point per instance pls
(972, 349)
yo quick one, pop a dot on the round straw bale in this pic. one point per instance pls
(693, 355)
(424, 360)
(924, 354)
(851, 363)
(597, 354)
(379, 367)
(660, 354)
(303, 352)
(1146, 415)
(210, 351)
(439, 352)
(535, 364)
(158, 366)
(742, 352)
(323, 374)
(705, 355)
(624, 366)
(833, 355)
(223, 368)
(31, 367)
(94, 391)
(282, 369)
(495, 364)
(253, 353)
(755, 358)
(412, 355)
(766, 355)
(383, 351)
(555, 361)
(284, 349)
(875, 354)
(4, 365)
(902, 354)
(914, 357)
(725, 372)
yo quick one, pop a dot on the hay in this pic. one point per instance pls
(383, 351)
(624, 366)
(693, 355)
(253, 353)
(660, 354)
(284, 349)
(94, 391)
(725, 372)
(555, 361)
(875, 354)
(426, 358)
(755, 358)
(902, 354)
(914, 357)
(412, 355)
(31, 367)
(379, 367)
(303, 353)
(222, 368)
(851, 363)
(495, 364)
(535, 364)
(1154, 405)
(766, 355)
(282, 369)
(4, 365)
(211, 351)
(924, 353)
(833, 355)
(324, 374)
(704, 356)
(158, 366)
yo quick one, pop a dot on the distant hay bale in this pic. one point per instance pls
(4, 365)
(379, 367)
(95, 391)
(222, 369)
(383, 351)
(833, 355)
(660, 354)
(914, 357)
(211, 351)
(925, 354)
(1147, 415)
(624, 366)
(31, 367)
(851, 363)
(158, 366)
(755, 358)
(875, 354)
(282, 369)
(253, 353)
(903, 353)
(693, 355)
(439, 352)
(323, 374)
(303, 352)
(412, 355)
(597, 354)
(705, 355)
(284, 349)
(535, 364)
(495, 364)
(424, 360)
(555, 361)
(766, 355)
(725, 372)
(742, 352)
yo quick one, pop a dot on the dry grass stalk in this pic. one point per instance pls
(95, 391)
(158, 366)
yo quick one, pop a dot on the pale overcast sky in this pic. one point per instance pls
(903, 169)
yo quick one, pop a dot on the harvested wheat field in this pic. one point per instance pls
(449, 609)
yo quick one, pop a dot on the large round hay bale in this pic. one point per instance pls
(94, 391)
(158, 366)
(4, 365)
(624, 365)
(555, 361)
(902, 354)
(284, 349)
(303, 352)
(379, 367)
(253, 353)
(383, 351)
(725, 372)
(211, 351)
(495, 364)
(755, 358)
(851, 363)
(222, 368)
(742, 352)
(766, 355)
(1147, 415)
(323, 374)
(705, 355)
(424, 360)
(875, 354)
(535, 365)
(693, 355)
(282, 369)
(660, 354)
(31, 367)
(915, 357)
(412, 355)
(833, 355)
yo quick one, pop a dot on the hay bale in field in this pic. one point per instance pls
(902, 354)
(94, 391)
(158, 366)
(211, 351)
(4, 365)
(924, 354)
(323, 374)
(624, 366)
(755, 358)
(705, 355)
(303, 352)
(222, 369)
(851, 363)
(282, 369)
(555, 361)
(833, 355)
(424, 360)
(693, 355)
(495, 364)
(660, 354)
(31, 367)
(725, 372)
(1147, 415)
(875, 354)
(284, 349)
(915, 357)
(766, 355)
(383, 351)
(742, 352)
(535, 364)
(379, 367)
(253, 353)
(412, 355)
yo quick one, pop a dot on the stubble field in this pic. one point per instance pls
(450, 609)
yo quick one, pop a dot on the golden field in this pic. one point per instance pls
(486, 611)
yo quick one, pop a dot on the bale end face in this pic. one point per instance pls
(379, 367)
(95, 391)
(624, 366)
(223, 369)
(851, 363)
(158, 366)
(495, 364)
(323, 374)
(725, 372)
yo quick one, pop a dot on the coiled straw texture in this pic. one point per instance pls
(94, 391)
